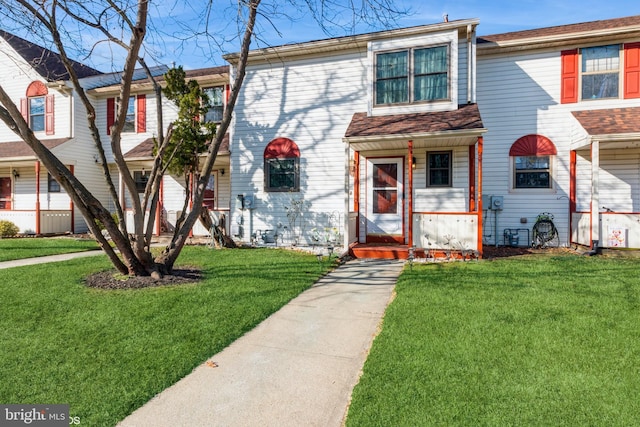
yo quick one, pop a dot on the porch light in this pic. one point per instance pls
(16, 174)
(414, 162)
(221, 171)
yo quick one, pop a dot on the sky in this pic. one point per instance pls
(282, 23)
(496, 16)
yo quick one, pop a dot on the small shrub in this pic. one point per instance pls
(8, 229)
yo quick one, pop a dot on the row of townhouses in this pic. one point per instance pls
(430, 137)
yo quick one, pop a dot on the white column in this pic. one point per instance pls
(595, 192)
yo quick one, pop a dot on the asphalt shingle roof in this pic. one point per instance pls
(21, 149)
(610, 121)
(607, 24)
(47, 63)
(145, 149)
(466, 117)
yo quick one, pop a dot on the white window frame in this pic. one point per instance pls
(449, 38)
(619, 72)
(552, 168)
(206, 119)
(43, 115)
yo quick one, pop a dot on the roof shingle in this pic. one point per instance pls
(15, 149)
(466, 117)
(610, 121)
(607, 24)
(144, 150)
(47, 63)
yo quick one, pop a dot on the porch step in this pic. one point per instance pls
(381, 251)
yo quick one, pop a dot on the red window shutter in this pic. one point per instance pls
(142, 113)
(569, 76)
(632, 70)
(24, 109)
(49, 108)
(111, 114)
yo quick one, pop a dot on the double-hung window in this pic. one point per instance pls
(532, 172)
(215, 104)
(130, 118)
(439, 169)
(600, 72)
(412, 75)
(36, 113)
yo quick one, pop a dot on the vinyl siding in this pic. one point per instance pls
(519, 94)
(310, 102)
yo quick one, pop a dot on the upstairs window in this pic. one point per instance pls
(282, 166)
(36, 113)
(600, 72)
(135, 118)
(38, 108)
(412, 75)
(216, 104)
(532, 160)
(130, 118)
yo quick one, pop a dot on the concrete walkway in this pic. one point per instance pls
(48, 258)
(297, 368)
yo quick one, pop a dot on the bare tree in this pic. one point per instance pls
(125, 25)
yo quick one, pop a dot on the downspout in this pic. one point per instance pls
(470, 62)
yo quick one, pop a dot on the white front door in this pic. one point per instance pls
(385, 199)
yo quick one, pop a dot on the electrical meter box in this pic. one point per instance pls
(497, 203)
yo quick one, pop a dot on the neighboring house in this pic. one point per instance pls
(29, 197)
(562, 109)
(393, 137)
(137, 143)
(36, 79)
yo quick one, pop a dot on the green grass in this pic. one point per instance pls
(536, 341)
(106, 353)
(19, 248)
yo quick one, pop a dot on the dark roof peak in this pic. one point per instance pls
(46, 62)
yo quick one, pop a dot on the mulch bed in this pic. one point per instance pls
(492, 252)
(111, 280)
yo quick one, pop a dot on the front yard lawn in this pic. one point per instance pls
(29, 247)
(106, 353)
(535, 340)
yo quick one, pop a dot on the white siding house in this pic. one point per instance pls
(36, 81)
(332, 141)
(572, 92)
(427, 140)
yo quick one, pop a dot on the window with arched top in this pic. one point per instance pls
(282, 165)
(38, 108)
(532, 162)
